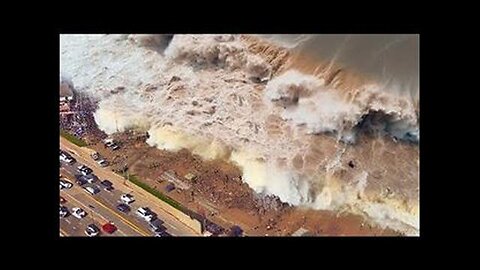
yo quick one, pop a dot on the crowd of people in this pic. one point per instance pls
(81, 123)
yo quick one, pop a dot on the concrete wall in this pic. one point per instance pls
(194, 224)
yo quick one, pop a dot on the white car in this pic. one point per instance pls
(81, 167)
(146, 214)
(92, 190)
(65, 184)
(92, 230)
(66, 158)
(103, 163)
(127, 198)
(78, 212)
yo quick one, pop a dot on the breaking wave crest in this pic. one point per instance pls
(306, 100)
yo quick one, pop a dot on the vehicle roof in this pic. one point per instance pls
(109, 227)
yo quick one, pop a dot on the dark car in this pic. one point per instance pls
(107, 185)
(123, 208)
(91, 178)
(63, 211)
(162, 234)
(80, 180)
(213, 228)
(156, 225)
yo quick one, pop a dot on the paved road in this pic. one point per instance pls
(101, 207)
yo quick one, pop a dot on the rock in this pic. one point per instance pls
(174, 79)
(117, 89)
(351, 164)
(211, 110)
(150, 88)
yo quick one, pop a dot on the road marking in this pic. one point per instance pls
(63, 233)
(98, 214)
(133, 226)
(68, 221)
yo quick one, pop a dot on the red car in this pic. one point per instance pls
(109, 228)
(62, 200)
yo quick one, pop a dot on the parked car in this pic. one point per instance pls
(65, 184)
(127, 198)
(109, 228)
(102, 163)
(63, 211)
(92, 230)
(123, 208)
(95, 156)
(92, 190)
(78, 212)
